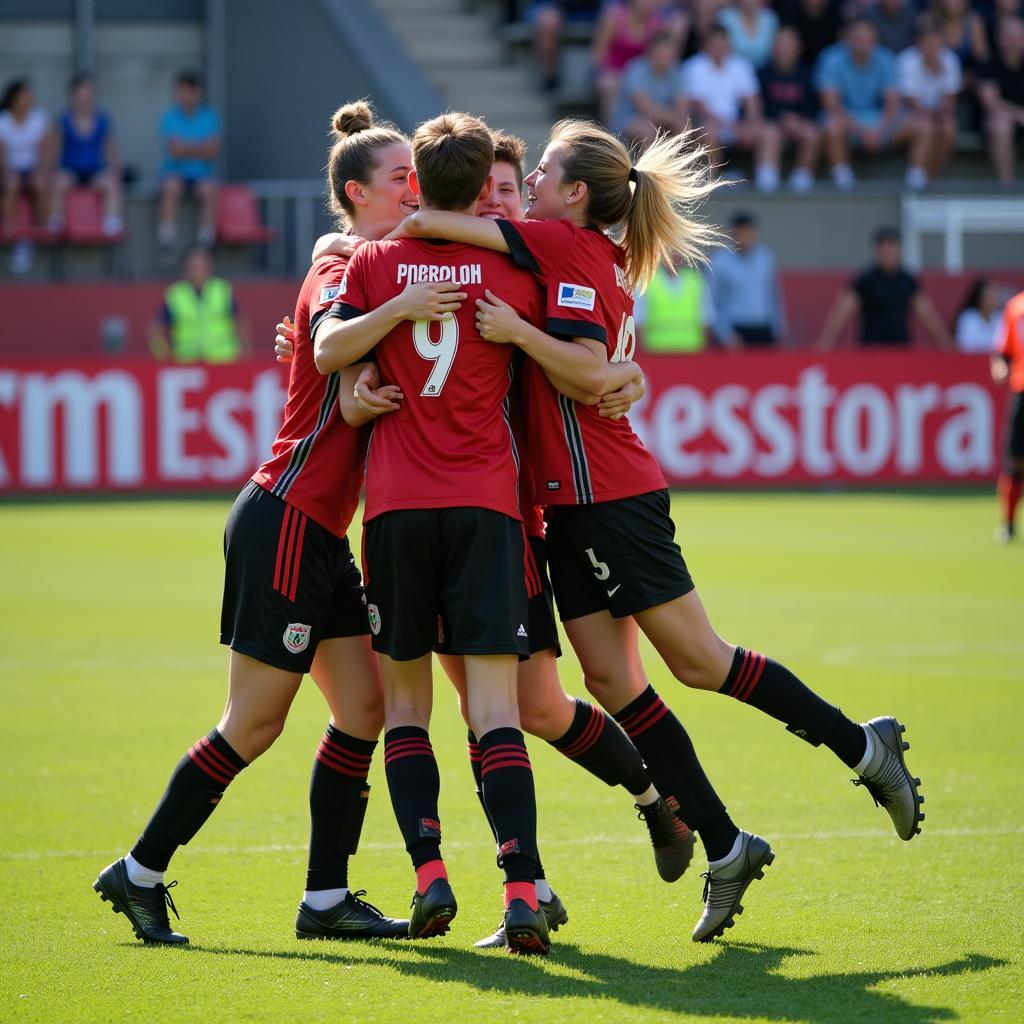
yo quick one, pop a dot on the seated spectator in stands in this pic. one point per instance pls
(676, 313)
(790, 111)
(977, 323)
(963, 31)
(817, 22)
(199, 321)
(884, 294)
(995, 13)
(751, 27)
(1001, 91)
(548, 17)
(894, 23)
(929, 82)
(26, 161)
(190, 137)
(88, 154)
(623, 32)
(699, 18)
(857, 81)
(724, 96)
(749, 311)
(652, 94)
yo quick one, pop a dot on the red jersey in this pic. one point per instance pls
(533, 514)
(575, 456)
(317, 460)
(1010, 340)
(450, 445)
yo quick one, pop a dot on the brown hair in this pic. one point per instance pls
(352, 157)
(452, 155)
(510, 149)
(649, 206)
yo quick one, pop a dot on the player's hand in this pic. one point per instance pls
(373, 399)
(334, 243)
(284, 340)
(432, 300)
(1000, 371)
(615, 405)
(497, 321)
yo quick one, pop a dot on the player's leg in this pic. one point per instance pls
(1011, 479)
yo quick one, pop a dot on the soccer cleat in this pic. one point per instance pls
(526, 930)
(724, 887)
(554, 913)
(887, 780)
(432, 911)
(352, 918)
(1005, 533)
(670, 837)
(145, 908)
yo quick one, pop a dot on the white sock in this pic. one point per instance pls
(649, 796)
(543, 890)
(714, 865)
(323, 899)
(869, 753)
(140, 875)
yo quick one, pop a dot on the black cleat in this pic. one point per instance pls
(671, 838)
(145, 908)
(526, 930)
(554, 913)
(352, 918)
(433, 911)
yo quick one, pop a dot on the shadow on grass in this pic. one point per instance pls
(741, 982)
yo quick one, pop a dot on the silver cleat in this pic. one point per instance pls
(887, 779)
(724, 887)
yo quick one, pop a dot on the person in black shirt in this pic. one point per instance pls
(817, 23)
(884, 294)
(1001, 92)
(790, 109)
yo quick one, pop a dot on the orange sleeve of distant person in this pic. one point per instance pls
(1009, 343)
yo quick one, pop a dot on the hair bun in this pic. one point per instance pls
(352, 118)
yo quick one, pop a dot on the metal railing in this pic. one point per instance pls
(954, 219)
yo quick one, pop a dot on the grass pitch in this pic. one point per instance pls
(110, 668)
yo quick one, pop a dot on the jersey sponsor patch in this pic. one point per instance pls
(373, 615)
(554, 485)
(296, 637)
(342, 286)
(329, 294)
(576, 296)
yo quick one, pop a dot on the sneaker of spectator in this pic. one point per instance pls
(894, 23)
(929, 82)
(1001, 92)
(190, 137)
(26, 160)
(790, 111)
(652, 96)
(751, 27)
(963, 32)
(88, 154)
(817, 22)
(548, 17)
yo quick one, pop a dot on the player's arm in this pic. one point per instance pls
(454, 227)
(361, 398)
(929, 316)
(845, 306)
(335, 243)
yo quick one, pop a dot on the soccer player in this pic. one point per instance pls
(614, 561)
(293, 600)
(441, 504)
(1008, 369)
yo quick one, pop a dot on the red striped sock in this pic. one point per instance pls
(429, 872)
(521, 891)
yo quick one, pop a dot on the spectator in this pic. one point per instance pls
(623, 32)
(548, 18)
(963, 31)
(749, 311)
(676, 313)
(652, 94)
(751, 27)
(894, 23)
(817, 22)
(1001, 91)
(929, 80)
(199, 321)
(977, 323)
(790, 110)
(993, 15)
(26, 158)
(701, 16)
(857, 80)
(190, 136)
(88, 154)
(724, 97)
(884, 294)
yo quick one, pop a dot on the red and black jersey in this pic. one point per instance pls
(317, 460)
(576, 457)
(533, 514)
(450, 445)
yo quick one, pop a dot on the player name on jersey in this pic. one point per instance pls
(463, 273)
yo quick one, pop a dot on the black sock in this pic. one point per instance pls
(507, 779)
(672, 762)
(415, 784)
(338, 792)
(773, 689)
(597, 744)
(191, 797)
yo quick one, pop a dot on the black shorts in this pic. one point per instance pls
(288, 583)
(615, 556)
(1015, 425)
(453, 577)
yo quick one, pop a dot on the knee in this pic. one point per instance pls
(171, 188)
(253, 737)
(703, 666)
(548, 22)
(999, 124)
(543, 719)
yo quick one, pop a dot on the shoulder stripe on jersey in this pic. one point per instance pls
(561, 328)
(518, 249)
(314, 320)
(577, 454)
(300, 453)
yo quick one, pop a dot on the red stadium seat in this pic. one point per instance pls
(238, 217)
(83, 219)
(23, 229)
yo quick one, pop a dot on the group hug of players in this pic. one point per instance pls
(476, 360)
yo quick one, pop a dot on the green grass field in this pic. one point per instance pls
(110, 668)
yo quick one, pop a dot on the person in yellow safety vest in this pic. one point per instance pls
(676, 313)
(199, 322)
